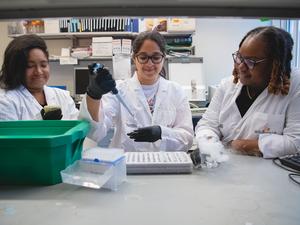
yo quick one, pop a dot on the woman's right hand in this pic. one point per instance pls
(100, 81)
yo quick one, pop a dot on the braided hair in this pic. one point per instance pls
(279, 45)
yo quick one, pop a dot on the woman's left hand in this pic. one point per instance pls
(246, 146)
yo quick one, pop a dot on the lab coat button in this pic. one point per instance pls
(237, 130)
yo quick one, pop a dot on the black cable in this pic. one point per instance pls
(291, 176)
(275, 161)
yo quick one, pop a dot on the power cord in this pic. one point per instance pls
(295, 173)
(276, 162)
(292, 175)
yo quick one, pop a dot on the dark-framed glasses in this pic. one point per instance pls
(238, 59)
(156, 58)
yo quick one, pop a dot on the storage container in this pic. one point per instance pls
(99, 168)
(34, 152)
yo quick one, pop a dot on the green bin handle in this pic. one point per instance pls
(77, 151)
(78, 136)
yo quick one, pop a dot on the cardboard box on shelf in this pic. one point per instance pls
(116, 46)
(102, 46)
(181, 25)
(159, 23)
(126, 46)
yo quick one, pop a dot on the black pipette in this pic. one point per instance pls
(98, 66)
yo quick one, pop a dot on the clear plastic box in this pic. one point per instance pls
(99, 168)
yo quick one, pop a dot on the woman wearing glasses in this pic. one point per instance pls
(258, 112)
(159, 117)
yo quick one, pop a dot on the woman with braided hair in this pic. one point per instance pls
(258, 112)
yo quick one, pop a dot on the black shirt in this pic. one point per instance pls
(244, 101)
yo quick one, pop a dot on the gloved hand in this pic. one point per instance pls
(146, 134)
(51, 113)
(100, 81)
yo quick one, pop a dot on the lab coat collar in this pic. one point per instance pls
(254, 105)
(24, 91)
(136, 85)
(257, 101)
(160, 96)
(50, 95)
(235, 93)
(238, 88)
(137, 88)
(161, 93)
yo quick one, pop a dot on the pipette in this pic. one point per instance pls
(94, 69)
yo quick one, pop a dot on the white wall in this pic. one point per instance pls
(216, 39)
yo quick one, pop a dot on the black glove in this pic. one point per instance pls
(100, 81)
(146, 134)
(51, 113)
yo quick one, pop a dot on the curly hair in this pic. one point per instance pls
(279, 46)
(13, 70)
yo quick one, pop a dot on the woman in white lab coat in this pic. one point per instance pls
(23, 78)
(258, 111)
(161, 118)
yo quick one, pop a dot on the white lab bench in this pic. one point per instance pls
(243, 191)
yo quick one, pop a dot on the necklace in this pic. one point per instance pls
(248, 93)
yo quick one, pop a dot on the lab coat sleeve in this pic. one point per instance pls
(99, 129)
(208, 125)
(180, 136)
(274, 145)
(71, 110)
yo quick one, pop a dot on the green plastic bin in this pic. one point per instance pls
(34, 152)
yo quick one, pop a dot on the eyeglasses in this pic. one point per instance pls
(143, 58)
(238, 59)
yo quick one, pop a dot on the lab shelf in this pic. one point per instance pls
(67, 35)
(91, 58)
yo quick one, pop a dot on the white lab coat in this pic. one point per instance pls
(171, 112)
(19, 104)
(272, 119)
